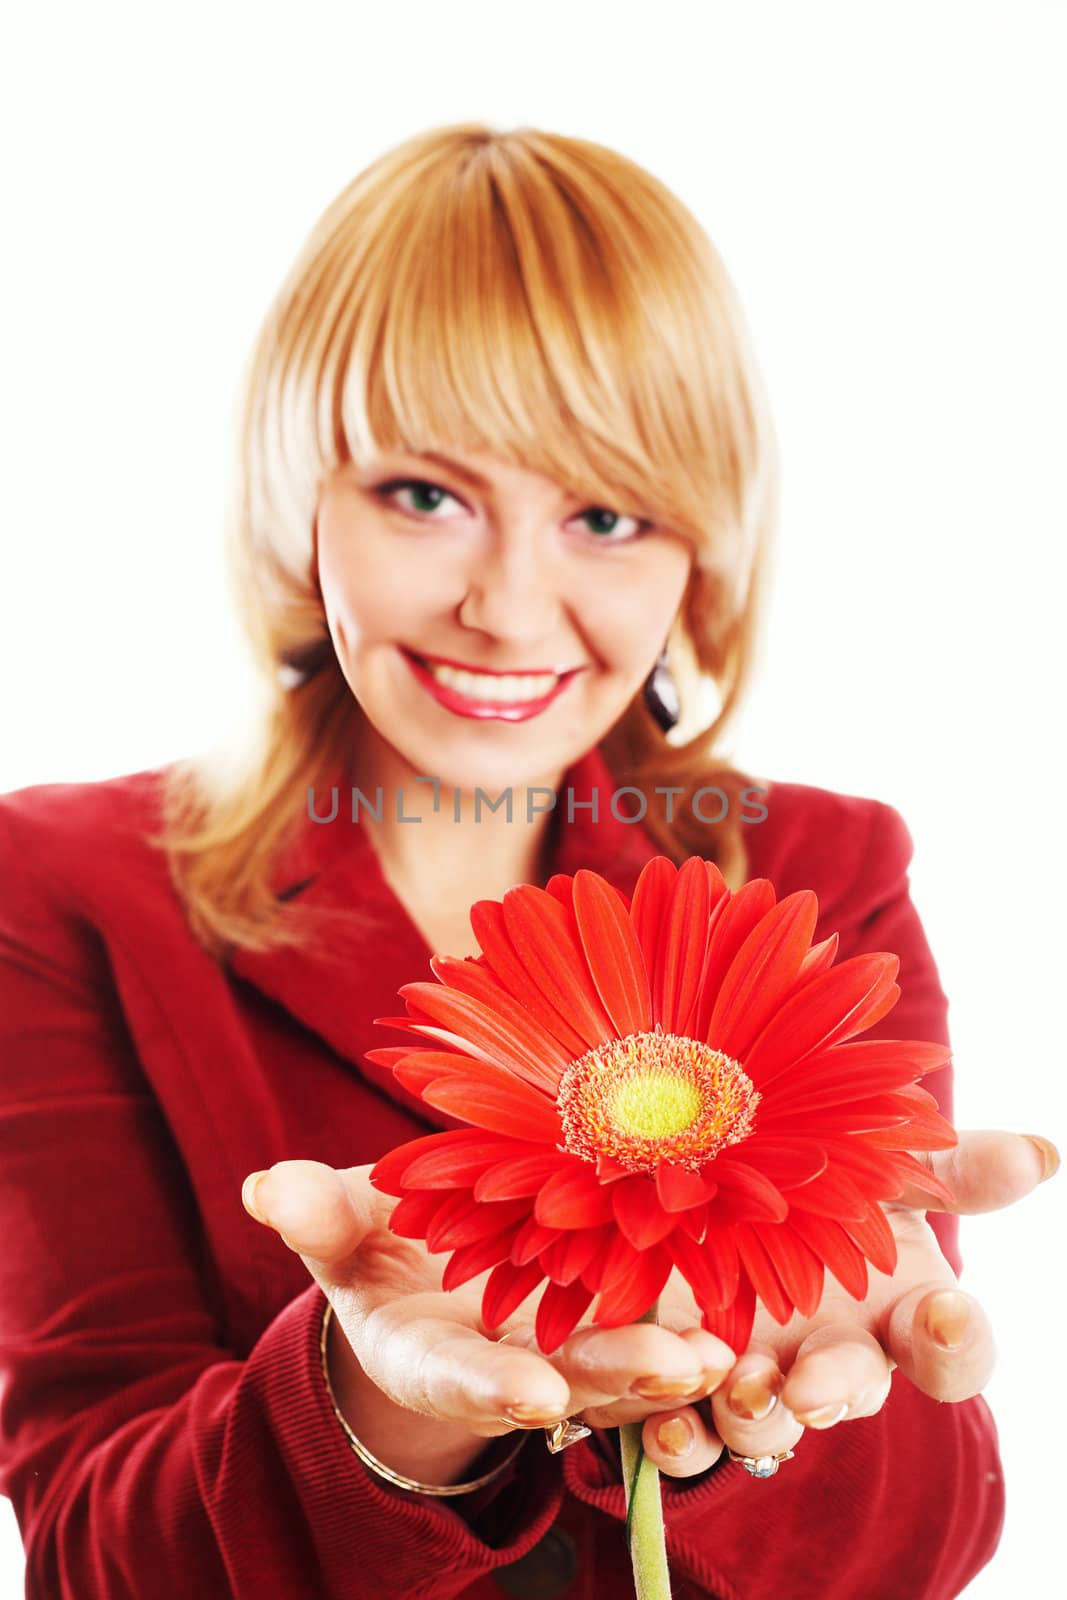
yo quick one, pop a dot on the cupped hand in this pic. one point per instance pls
(837, 1365)
(417, 1373)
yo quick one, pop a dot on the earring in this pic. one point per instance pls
(303, 662)
(661, 694)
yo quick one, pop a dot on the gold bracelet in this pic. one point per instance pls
(379, 1467)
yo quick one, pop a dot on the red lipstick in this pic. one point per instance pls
(485, 710)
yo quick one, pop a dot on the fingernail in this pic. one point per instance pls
(675, 1437)
(754, 1397)
(822, 1416)
(656, 1387)
(947, 1315)
(1050, 1156)
(248, 1194)
(531, 1416)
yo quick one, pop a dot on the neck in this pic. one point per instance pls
(445, 839)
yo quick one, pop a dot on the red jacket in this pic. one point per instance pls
(164, 1430)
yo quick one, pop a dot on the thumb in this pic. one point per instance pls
(322, 1213)
(987, 1170)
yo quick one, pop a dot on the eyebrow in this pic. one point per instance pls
(467, 473)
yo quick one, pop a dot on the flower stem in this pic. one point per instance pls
(644, 1508)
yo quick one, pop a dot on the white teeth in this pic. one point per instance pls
(482, 686)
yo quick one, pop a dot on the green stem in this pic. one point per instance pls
(644, 1509)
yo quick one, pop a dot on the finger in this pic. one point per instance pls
(322, 1213)
(840, 1371)
(446, 1369)
(680, 1443)
(643, 1362)
(987, 1170)
(942, 1341)
(746, 1412)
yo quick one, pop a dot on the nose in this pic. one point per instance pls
(514, 592)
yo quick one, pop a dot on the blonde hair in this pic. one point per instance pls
(547, 301)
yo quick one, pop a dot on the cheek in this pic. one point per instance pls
(628, 621)
(374, 595)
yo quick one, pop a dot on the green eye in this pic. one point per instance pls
(426, 496)
(607, 524)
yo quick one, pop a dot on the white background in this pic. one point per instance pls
(885, 183)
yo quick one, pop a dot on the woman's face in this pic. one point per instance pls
(440, 580)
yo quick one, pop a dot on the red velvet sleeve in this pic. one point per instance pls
(143, 1458)
(904, 1505)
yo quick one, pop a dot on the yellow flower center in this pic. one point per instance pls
(655, 1097)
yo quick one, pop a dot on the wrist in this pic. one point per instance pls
(425, 1449)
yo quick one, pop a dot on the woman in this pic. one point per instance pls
(505, 491)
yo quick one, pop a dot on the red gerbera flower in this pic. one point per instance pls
(654, 1084)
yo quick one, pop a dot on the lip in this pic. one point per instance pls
(492, 672)
(484, 710)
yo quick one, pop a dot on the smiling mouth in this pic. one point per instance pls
(490, 688)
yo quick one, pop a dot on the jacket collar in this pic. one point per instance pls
(377, 947)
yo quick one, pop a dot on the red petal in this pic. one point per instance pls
(913, 1172)
(487, 922)
(799, 1268)
(683, 941)
(620, 1261)
(571, 1253)
(832, 1007)
(785, 1161)
(474, 1223)
(873, 1173)
(832, 1245)
(760, 1268)
(572, 1198)
(734, 921)
(733, 1325)
(648, 913)
(716, 883)
(530, 1240)
(486, 1034)
(507, 1288)
(594, 1273)
(613, 953)
(695, 1222)
(540, 931)
(637, 1212)
(455, 1165)
(678, 1188)
(387, 1174)
(877, 1111)
(931, 1132)
(875, 1238)
(471, 1259)
(711, 1269)
(852, 1071)
(818, 959)
(522, 1174)
(805, 1093)
(831, 1194)
(559, 1313)
(745, 1195)
(478, 982)
(388, 1055)
(412, 1215)
(628, 1298)
(608, 1169)
(524, 1115)
(762, 972)
(422, 1067)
